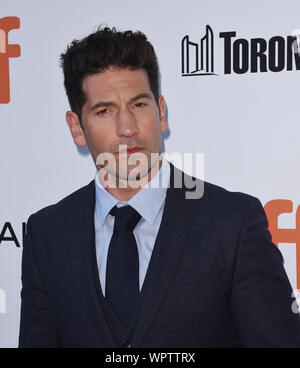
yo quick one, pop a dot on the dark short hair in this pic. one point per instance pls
(100, 50)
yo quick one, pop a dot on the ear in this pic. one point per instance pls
(75, 128)
(163, 114)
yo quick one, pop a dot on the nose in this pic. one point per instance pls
(126, 123)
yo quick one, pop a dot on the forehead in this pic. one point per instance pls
(115, 82)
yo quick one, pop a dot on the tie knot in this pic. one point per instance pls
(126, 218)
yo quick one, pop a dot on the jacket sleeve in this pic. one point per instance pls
(37, 327)
(261, 296)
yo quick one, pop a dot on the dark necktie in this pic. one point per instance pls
(122, 267)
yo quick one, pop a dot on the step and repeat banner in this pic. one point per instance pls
(229, 72)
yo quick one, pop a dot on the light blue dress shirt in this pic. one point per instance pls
(149, 202)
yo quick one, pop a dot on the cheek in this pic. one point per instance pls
(154, 137)
(152, 125)
(96, 140)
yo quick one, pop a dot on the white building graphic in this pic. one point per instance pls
(198, 58)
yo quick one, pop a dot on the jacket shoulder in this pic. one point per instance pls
(66, 205)
(218, 194)
(206, 192)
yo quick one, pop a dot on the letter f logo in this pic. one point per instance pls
(7, 51)
(273, 209)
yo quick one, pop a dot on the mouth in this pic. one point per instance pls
(130, 150)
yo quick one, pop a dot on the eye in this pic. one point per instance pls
(140, 104)
(102, 112)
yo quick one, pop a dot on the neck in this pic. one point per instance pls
(122, 190)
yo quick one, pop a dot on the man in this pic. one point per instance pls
(128, 260)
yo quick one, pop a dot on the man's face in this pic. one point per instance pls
(120, 109)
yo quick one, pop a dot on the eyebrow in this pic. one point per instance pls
(112, 103)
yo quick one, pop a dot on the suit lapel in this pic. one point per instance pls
(168, 247)
(83, 257)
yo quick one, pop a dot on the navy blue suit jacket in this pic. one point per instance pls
(215, 279)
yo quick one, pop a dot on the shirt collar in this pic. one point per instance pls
(146, 201)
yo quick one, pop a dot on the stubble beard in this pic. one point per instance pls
(128, 171)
